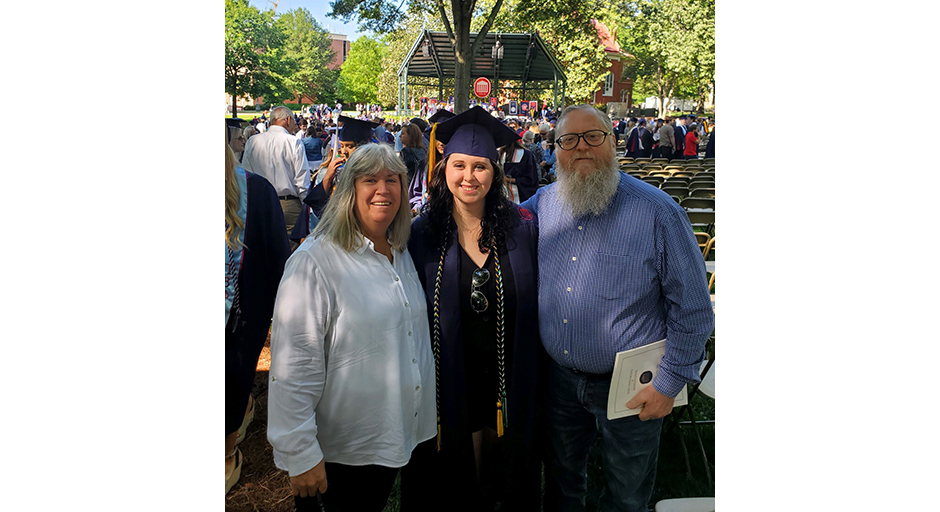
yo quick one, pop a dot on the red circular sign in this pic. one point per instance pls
(481, 87)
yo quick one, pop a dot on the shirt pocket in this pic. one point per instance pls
(612, 276)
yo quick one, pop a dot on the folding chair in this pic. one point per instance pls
(643, 159)
(710, 251)
(702, 192)
(651, 167)
(702, 219)
(675, 191)
(683, 173)
(664, 174)
(625, 160)
(678, 180)
(656, 181)
(702, 238)
(695, 185)
(699, 202)
(674, 167)
(630, 167)
(706, 161)
(635, 174)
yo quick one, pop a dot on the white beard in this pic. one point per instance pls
(591, 193)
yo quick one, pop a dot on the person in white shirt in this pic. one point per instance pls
(279, 157)
(352, 389)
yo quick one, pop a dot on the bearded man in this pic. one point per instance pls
(619, 268)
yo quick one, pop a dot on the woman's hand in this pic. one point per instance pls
(331, 174)
(510, 180)
(310, 482)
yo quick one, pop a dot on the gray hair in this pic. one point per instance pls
(545, 127)
(339, 223)
(249, 131)
(528, 137)
(608, 124)
(281, 113)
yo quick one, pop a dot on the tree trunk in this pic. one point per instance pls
(234, 106)
(464, 58)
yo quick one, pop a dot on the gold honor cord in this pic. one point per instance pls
(502, 407)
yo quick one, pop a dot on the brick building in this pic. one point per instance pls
(614, 88)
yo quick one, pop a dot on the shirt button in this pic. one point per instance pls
(569, 288)
(273, 379)
(396, 278)
(415, 361)
(580, 228)
(417, 388)
(566, 351)
(574, 258)
(565, 320)
(416, 415)
(406, 304)
(409, 333)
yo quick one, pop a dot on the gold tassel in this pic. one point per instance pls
(432, 154)
(438, 433)
(499, 419)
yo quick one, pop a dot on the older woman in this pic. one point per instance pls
(352, 375)
(475, 254)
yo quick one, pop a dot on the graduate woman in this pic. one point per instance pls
(475, 252)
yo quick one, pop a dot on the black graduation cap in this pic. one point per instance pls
(474, 132)
(421, 123)
(233, 123)
(354, 130)
(440, 116)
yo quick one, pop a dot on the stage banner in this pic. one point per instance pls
(534, 107)
(433, 102)
(494, 102)
(513, 108)
(524, 108)
(450, 100)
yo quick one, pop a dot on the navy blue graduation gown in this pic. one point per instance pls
(454, 466)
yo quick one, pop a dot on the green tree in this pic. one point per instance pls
(254, 61)
(307, 45)
(674, 41)
(358, 77)
(572, 37)
(384, 16)
(398, 44)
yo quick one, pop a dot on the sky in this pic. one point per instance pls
(319, 10)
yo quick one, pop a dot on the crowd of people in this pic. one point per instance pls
(446, 299)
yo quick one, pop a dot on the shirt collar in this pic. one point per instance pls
(275, 127)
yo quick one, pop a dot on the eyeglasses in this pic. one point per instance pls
(478, 301)
(568, 141)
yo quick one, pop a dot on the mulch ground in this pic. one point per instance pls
(262, 487)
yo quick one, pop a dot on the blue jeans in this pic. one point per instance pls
(577, 411)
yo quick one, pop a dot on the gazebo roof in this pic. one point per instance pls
(518, 62)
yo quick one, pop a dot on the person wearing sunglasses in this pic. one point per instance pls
(474, 251)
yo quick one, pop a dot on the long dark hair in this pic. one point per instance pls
(499, 213)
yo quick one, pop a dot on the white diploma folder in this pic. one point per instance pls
(635, 369)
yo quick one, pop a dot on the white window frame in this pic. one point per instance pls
(609, 85)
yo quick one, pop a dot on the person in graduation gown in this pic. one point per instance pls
(475, 255)
(646, 140)
(521, 168)
(256, 248)
(352, 135)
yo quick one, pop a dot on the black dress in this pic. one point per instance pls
(480, 348)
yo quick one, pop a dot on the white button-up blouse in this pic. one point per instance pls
(352, 373)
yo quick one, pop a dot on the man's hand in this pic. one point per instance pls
(309, 482)
(655, 404)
